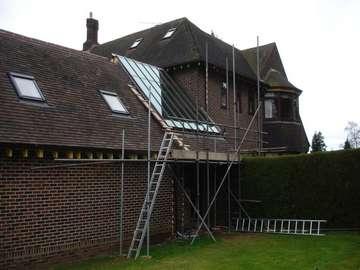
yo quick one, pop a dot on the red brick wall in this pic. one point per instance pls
(192, 78)
(49, 215)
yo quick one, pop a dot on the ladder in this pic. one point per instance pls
(283, 226)
(146, 210)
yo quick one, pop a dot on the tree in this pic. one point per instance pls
(347, 144)
(318, 143)
(353, 134)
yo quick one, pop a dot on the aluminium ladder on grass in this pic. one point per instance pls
(284, 226)
(146, 210)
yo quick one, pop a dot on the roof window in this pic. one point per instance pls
(26, 87)
(169, 33)
(114, 102)
(136, 43)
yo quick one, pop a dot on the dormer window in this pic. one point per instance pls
(114, 102)
(136, 43)
(26, 87)
(169, 33)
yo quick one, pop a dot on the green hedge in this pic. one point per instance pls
(312, 186)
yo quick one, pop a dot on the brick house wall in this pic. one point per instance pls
(192, 78)
(52, 215)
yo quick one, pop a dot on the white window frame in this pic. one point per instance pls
(169, 33)
(108, 93)
(13, 77)
(136, 43)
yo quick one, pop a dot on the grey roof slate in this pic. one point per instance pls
(187, 45)
(75, 113)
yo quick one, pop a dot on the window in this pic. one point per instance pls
(270, 108)
(26, 87)
(169, 33)
(224, 96)
(251, 102)
(286, 108)
(136, 43)
(238, 101)
(114, 102)
(296, 109)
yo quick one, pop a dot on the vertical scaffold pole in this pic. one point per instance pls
(258, 93)
(234, 89)
(197, 154)
(122, 191)
(227, 86)
(228, 199)
(215, 206)
(148, 174)
(207, 130)
(207, 185)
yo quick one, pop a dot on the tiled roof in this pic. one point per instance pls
(276, 79)
(75, 114)
(185, 46)
(272, 70)
(269, 58)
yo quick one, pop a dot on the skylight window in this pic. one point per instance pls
(114, 102)
(169, 100)
(169, 33)
(26, 87)
(136, 43)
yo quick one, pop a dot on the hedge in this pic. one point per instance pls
(313, 186)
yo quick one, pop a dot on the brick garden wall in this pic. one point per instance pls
(52, 215)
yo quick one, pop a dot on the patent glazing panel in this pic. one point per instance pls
(167, 97)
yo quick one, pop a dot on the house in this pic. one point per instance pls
(282, 120)
(179, 46)
(74, 138)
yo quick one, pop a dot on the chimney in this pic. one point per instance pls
(92, 26)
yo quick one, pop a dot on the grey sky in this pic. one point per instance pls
(319, 41)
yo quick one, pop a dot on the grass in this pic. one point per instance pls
(334, 251)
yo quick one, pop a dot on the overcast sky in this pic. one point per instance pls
(319, 41)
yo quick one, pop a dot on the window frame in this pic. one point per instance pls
(252, 104)
(14, 75)
(238, 102)
(168, 34)
(114, 94)
(274, 113)
(286, 100)
(224, 96)
(136, 43)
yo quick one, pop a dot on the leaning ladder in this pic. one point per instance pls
(146, 210)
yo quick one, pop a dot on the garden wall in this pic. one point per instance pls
(312, 186)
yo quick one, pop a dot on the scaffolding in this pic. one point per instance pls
(184, 121)
(178, 114)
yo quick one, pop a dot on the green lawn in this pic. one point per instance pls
(244, 251)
